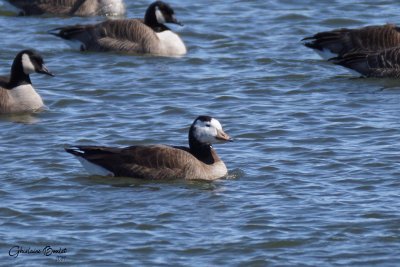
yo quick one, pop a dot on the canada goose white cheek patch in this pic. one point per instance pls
(159, 15)
(27, 64)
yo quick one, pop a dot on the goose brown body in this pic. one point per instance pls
(153, 162)
(129, 35)
(71, 7)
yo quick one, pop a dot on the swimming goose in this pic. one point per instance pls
(148, 36)
(342, 41)
(199, 161)
(70, 7)
(16, 91)
(385, 63)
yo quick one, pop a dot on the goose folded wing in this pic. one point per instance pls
(151, 162)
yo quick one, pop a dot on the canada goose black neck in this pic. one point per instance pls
(150, 18)
(18, 76)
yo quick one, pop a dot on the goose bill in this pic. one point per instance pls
(222, 136)
(44, 70)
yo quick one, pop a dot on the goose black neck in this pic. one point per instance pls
(18, 76)
(203, 152)
(150, 20)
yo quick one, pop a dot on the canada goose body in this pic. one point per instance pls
(16, 91)
(384, 63)
(70, 7)
(198, 161)
(339, 42)
(148, 36)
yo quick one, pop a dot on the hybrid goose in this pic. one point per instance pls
(70, 7)
(16, 91)
(385, 63)
(148, 36)
(339, 42)
(198, 161)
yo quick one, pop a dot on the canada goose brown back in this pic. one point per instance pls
(16, 91)
(385, 63)
(71, 7)
(199, 161)
(342, 41)
(148, 36)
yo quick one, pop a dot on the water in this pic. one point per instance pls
(313, 172)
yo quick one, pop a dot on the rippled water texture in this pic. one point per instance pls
(314, 172)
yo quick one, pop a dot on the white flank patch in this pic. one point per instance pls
(325, 53)
(159, 15)
(27, 64)
(25, 98)
(75, 44)
(171, 44)
(93, 168)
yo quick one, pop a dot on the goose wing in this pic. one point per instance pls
(126, 35)
(385, 63)
(38, 7)
(150, 162)
(4, 96)
(343, 41)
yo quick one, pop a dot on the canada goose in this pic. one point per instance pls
(16, 91)
(148, 36)
(385, 63)
(199, 161)
(70, 7)
(339, 42)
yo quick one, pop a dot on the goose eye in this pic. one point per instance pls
(208, 125)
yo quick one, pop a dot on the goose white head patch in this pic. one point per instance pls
(160, 16)
(27, 64)
(207, 131)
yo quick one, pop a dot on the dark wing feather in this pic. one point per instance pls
(39, 7)
(385, 63)
(126, 35)
(150, 162)
(343, 41)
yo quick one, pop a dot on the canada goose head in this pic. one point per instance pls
(159, 13)
(206, 131)
(29, 62)
(26, 62)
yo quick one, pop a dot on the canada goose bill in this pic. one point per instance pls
(138, 36)
(17, 94)
(198, 161)
(337, 43)
(70, 7)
